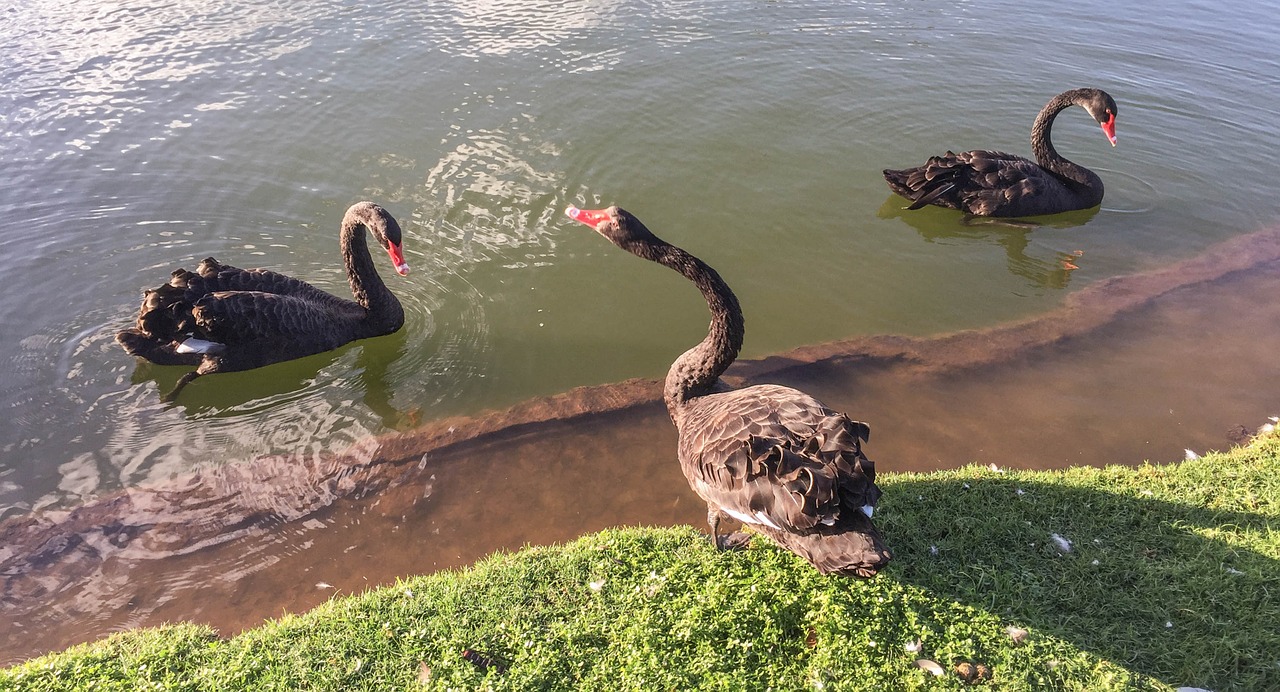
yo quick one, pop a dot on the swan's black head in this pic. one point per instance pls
(1103, 109)
(384, 227)
(618, 225)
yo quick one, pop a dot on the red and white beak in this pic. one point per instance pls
(1109, 128)
(397, 258)
(590, 217)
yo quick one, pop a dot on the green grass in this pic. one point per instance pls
(1172, 580)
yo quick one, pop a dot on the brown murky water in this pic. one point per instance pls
(1132, 369)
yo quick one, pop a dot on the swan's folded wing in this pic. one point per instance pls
(215, 276)
(982, 182)
(776, 457)
(242, 317)
(998, 182)
(971, 180)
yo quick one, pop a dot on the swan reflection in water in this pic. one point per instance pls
(1052, 271)
(242, 393)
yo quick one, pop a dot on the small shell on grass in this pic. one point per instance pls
(912, 647)
(1063, 545)
(1017, 634)
(930, 666)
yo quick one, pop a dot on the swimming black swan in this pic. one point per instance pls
(223, 319)
(770, 456)
(992, 183)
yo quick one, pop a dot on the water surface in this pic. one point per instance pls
(138, 139)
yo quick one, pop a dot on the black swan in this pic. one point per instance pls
(772, 457)
(224, 319)
(992, 183)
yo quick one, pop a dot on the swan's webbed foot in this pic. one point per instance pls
(975, 220)
(738, 540)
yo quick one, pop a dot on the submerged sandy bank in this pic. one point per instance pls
(1127, 369)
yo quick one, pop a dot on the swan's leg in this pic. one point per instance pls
(186, 379)
(713, 520)
(974, 220)
(734, 541)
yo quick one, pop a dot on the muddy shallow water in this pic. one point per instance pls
(234, 545)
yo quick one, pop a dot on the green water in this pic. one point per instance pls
(139, 139)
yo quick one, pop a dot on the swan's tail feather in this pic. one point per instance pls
(936, 182)
(166, 310)
(930, 196)
(899, 182)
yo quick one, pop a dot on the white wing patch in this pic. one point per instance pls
(194, 345)
(757, 518)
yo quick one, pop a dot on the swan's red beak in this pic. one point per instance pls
(1109, 128)
(591, 217)
(397, 258)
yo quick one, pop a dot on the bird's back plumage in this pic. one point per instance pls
(781, 462)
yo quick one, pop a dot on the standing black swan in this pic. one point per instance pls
(224, 319)
(992, 183)
(772, 457)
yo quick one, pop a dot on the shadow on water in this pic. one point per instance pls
(1127, 369)
(1009, 566)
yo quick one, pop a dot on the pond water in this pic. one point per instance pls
(138, 139)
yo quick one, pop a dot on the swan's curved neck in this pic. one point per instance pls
(366, 285)
(1080, 179)
(697, 371)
